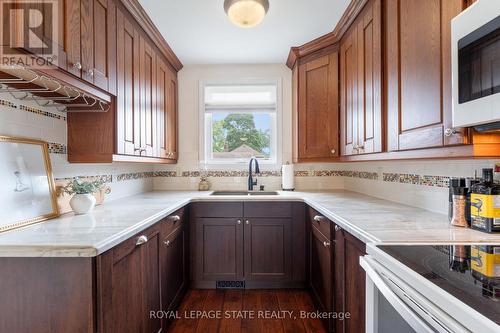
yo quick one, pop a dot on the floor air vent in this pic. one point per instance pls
(230, 284)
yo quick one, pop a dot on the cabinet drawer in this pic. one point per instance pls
(173, 221)
(213, 209)
(268, 209)
(128, 246)
(320, 222)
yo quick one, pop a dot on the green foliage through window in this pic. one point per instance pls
(235, 131)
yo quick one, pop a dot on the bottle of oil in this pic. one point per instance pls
(485, 204)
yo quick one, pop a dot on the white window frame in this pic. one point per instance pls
(205, 137)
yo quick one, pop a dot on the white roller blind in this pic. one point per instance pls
(240, 96)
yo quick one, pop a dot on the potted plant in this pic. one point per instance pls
(83, 200)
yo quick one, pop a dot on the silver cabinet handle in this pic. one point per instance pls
(176, 218)
(247, 222)
(238, 222)
(77, 65)
(90, 72)
(337, 228)
(141, 240)
(318, 218)
(333, 151)
(326, 244)
(450, 131)
(167, 243)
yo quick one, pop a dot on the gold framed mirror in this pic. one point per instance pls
(27, 191)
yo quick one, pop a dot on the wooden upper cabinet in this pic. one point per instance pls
(316, 133)
(127, 101)
(361, 83)
(418, 72)
(166, 106)
(147, 64)
(90, 41)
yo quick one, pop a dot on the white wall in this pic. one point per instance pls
(189, 103)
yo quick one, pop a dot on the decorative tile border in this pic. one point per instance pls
(41, 112)
(31, 109)
(135, 175)
(6, 103)
(426, 180)
(402, 178)
(103, 178)
(57, 148)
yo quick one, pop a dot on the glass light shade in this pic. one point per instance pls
(246, 13)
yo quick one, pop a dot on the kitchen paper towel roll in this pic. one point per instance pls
(287, 175)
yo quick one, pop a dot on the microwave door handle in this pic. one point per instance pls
(406, 312)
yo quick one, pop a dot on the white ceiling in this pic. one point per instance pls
(199, 31)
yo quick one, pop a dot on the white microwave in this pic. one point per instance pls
(475, 38)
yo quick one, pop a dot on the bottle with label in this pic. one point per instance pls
(496, 176)
(485, 204)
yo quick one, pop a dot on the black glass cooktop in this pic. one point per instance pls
(469, 273)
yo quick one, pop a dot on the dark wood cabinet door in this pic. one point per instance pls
(349, 282)
(219, 249)
(361, 83)
(72, 36)
(173, 267)
(120, 289)
(321, 273)
(318, 111)
(369, 41)
(151, 279)
(418, 73)
(127, 99)
(166, 106)
(268, 249)
(103, 70)
(147, 65)
(128, 285)
(349, 93)
(172, 116)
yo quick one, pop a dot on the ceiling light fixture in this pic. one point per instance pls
(246, 13)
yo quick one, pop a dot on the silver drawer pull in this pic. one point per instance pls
(176, 218)
(167, 243)
(337, 228)
(141, 240)
(326, 244)
(318, 218)
(238, 221)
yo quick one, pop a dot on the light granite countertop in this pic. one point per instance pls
(369, 219)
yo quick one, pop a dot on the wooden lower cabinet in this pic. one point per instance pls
(219, 249)
(251, 242)
(173, 263)
(268, 249)
(349, 282)
(321, 272)
(147, 272)
(129, 285)
(337, 281)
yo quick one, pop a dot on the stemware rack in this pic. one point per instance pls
(27, 85)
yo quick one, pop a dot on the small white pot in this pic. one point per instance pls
(82, 203)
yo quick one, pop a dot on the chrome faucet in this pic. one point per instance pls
(251, 182)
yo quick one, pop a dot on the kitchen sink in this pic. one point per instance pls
(243, 193)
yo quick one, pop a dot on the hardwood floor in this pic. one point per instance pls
(234, 311)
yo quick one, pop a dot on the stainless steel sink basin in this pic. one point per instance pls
(243, 193)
